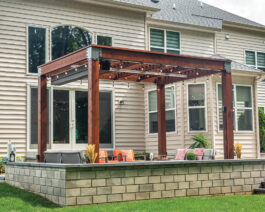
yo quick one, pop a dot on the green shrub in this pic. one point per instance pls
(200, 141)
(2, 166)
(262, 130)
(191, 156)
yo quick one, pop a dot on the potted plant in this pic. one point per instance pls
(191, 156)
(91, 155)
(200, 141)
(238, 150)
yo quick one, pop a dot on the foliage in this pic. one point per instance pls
(200, 141)
(238, 150)
(2, 167)
(19, 159)
(191, 156)
(138, 154)
(91, 154)
(262, 129)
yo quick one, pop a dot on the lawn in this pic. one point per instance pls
(15, 200)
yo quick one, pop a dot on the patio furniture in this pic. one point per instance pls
(201, 154)
(67, 157)
(180, 154)
(105, 158)
(126, 155)
(209, 154)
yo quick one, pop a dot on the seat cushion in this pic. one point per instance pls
(199, 152)
(117, 155)
(180, 154)
(208, 154)
(128, 155)
(103, 156)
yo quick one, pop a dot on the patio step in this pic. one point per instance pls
(2, 178)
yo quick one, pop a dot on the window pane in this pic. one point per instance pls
(61, 117)
(220, 103)
(197, 119)
(244, 119)
(173, 51)
(173, 40)
(104, 40)
(37, 50)
(157, 50)
(243, 96)
(105, 118)
(67, 39)
(221, 119)
(34, 116)
(196, 95)
(263, 69)
(152, 100)
(170, 121)
(261, 59)
(157, 37)
(153, 123)
(170, 98)
(250, 58)
(81, 101)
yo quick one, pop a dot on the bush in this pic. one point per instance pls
(262, 130)
(200, 141)
(2, 166)
(191, 156)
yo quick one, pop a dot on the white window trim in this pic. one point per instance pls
(236, 108)
(27, 46)
(256, 58)
(104, 35)
(165, 40)
(171, 109)
(197, 107)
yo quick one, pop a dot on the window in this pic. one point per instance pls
(105, 118)
(197, 107)
(34, 117)
(243, 108)
(104, 40)
(36, 48)
(67, 39)
(61, 116)
(256, 59)
(170, 110)
(164, 41)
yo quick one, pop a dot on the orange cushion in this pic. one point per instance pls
(200, 152)
(117, 155)
(129, 155)
(103, 154)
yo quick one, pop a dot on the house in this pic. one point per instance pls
(35, 32)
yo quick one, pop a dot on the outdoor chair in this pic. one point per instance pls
(105, 158)
(71, 158)
(208, 154)
(126, 155)
(52, 157)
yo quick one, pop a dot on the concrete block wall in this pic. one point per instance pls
(94, 184)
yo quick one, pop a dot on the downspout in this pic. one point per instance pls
(212, 111)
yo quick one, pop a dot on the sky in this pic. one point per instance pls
(250, 9)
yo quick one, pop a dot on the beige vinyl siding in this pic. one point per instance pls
(261, 94)
(181, 138)
(191, 42)
(127, 29)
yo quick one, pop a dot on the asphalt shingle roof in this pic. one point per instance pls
(191, 12)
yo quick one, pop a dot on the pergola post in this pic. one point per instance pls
(42, 116)
(93, 100)
(228, 127)
(161, 119)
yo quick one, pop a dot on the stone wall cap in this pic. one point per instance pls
(130, 164)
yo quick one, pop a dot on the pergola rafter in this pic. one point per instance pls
(110, 63)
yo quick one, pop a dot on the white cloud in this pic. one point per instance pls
(250, 9)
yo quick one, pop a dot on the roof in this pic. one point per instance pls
(236, 65)
(192, 12)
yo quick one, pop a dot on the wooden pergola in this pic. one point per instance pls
(119, 64)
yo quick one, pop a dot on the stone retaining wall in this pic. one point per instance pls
(105, 183)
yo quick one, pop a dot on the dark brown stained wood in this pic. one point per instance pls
(228, 128)
(42, 117)
(161, 120)
(93, 104)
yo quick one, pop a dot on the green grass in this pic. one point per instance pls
(15, 200)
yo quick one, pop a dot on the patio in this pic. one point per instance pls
(96, 63)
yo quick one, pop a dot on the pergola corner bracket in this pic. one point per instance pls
(227, 67)
(93, 53)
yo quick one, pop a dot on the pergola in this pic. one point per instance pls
(119, 64)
